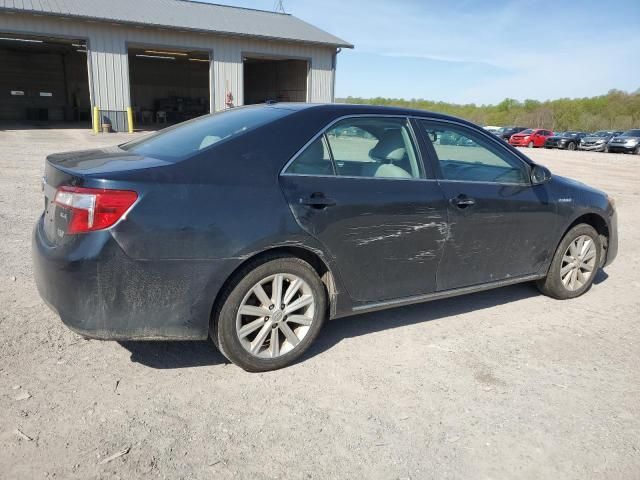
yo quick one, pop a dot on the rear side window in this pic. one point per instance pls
(188, 138)
(378, 147)
(314, 160)
(369, 147)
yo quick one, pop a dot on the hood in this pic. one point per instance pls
(103, 160)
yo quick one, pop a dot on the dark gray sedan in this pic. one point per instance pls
(254, 226)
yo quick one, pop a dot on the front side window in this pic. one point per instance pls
(466, 156)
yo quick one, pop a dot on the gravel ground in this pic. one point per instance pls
(500, 384)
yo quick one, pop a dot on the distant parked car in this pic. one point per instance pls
(565, 140)
(531, 137)
(598, 141)
(449, 138)
(628, 142)
(506, 132)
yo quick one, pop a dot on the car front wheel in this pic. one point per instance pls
(574, 264)
(571, 146)
(530, 144)
(271, 315)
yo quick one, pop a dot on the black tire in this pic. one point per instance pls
(637, 150)
(530, 144)
(223, 322)
(606, 149)
(552, 285)
(571, 146)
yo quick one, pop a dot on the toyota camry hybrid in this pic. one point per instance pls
(253, 226)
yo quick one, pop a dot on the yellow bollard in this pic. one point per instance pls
(96, 120)
(130, 119)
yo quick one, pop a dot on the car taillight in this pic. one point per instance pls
(93, 208)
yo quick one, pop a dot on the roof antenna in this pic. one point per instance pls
(278, 7)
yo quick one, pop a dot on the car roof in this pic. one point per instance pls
(340, 109)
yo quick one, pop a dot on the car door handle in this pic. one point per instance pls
(318, 201)
(463, 202)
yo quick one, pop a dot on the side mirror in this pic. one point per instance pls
(540, 175)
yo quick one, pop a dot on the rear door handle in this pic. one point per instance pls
(463, 202)
(318, 201)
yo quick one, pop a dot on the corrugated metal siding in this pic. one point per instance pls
(181, 14)
(108, 59)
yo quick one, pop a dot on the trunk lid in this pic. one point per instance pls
(83, 168)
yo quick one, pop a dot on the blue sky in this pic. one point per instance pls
(478, 51)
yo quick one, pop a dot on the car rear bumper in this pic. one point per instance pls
(101, 293)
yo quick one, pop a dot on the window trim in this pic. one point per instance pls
(435, 161)
(424, 172)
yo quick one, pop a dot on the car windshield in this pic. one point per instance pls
(601, 133)
(567, 134)
(185, 139)
(527, 131)
(631, 133)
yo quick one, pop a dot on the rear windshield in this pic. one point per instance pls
(528, 130)
(188, 138)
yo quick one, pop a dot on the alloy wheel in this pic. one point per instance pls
(578, 263)
(275, 315)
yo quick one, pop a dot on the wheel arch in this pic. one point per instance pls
(312, 258)
(596, 221)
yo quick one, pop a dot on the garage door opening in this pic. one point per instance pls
(168, 85)
(44, 81)
(278, 80)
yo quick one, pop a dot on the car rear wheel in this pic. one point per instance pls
(530, 144)
(574, 264)
(606, 149)
(271, 315)
(571, 146)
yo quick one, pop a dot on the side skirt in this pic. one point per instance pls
(401, 302)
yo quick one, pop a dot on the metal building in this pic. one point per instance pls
(126, 62)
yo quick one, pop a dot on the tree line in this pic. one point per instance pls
(617, 110)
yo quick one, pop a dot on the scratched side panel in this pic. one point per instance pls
(386, 236)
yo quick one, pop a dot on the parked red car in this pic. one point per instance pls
(530, 138)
